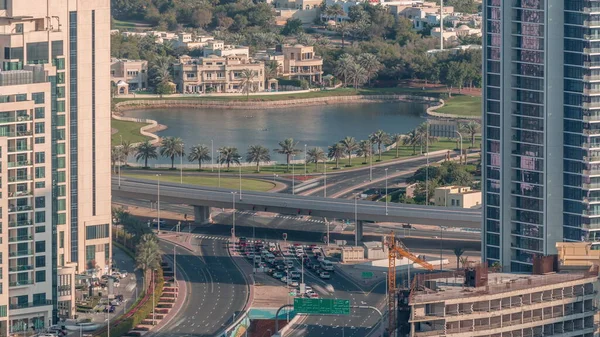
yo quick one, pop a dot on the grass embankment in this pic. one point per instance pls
(232, 183)
(130, 131)
(462, 105)
(129, 25)
(281, 169)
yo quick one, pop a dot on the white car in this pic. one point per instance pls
(308, 289)
(293, 283)
(324, 275)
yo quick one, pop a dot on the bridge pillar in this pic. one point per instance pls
(201, 214)
(359, 230)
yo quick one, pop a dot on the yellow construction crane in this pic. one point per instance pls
(397, 250)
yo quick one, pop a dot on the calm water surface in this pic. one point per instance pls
(320, 125)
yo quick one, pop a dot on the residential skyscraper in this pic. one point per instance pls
(55, 207)
(541, 146)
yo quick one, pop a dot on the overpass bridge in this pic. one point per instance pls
(203, 198)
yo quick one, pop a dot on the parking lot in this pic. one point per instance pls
(290, 264)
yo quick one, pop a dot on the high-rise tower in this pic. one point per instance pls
(55, 207)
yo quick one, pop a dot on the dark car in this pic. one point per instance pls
(109, 308)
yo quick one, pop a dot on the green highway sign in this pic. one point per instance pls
(326, 306)
(367, 274)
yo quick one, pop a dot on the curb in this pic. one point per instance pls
(249, 288)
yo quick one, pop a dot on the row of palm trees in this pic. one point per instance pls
(173, 147)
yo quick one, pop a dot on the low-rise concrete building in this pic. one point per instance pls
(189, 41)
(503, 304)
(216, 74)
(300, 62)
(132, 72)
(219, 48)
(457, 196)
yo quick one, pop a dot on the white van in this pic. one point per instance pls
(327, 265)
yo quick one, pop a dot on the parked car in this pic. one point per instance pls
(109, 308)
(115, 303)
(278, 275)
(312, 294)
(292, 283)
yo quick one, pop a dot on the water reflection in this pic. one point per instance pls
(312, 125)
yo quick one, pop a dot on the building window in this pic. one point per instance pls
(40, 184)
(40, 246)
(96, 232)
(61, 162)
(40, 112)
(40, 276)
(40, 140)
(39, 299)
(60, 120)
(40, 217)
(38, 97)
(106, 252)
(40, 202)
(90, 253)
(62, 205)
(40, 172)
(62, 218)
(21, 97)
(40, 157)
(40, 261)
(61, 260)
(40, 229)
(61, 239)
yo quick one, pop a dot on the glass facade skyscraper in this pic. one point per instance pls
(541, 147)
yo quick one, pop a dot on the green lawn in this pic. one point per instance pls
(462, 105)
(118, 24)
(130, 131)
(232, 183)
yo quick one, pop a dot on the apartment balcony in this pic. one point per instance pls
(19, 194)
(591, 132)
(21, 283)
(590, 105)
(26, 252)
(20, 149)
(22, 223)
(589, 78)
(20, 178)
(14, 209)
(19, 238)
(18, 119)
(591, 92)
(13, 164)
(591, 200)
(591, 37)
(588, 186)
(593, 9)
(30, 304)
(591, 118)
(591, 172)
(591, 23)
(590, 213)
(24, 267)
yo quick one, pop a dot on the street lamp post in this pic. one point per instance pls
(212, 150)
(427, 167)
(119, 161)
(356, 220)
(158, 202)
(175, 263)
(461, 148)
(153, 297)
(240, 181)
(386, 191)
(219, 167)
(305, 160)
(325, 179)
(233, 229)
(371, 164)
(181, 165)
(441, 246)
(293, 176)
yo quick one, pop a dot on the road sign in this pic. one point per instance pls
(324, 306)
(285, 236)
(367, 274)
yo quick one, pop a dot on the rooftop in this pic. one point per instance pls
(452, 287)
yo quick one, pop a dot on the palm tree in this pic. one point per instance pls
(344, 28)
(229, 155)
(147, 254)
(411, 139)
(379, 137)
(336, 151)
(257, 154)
(357, 74)
(271, 69)
(397, 139)
(423, 136)
(349, 145)
(145, 151)
(458, 251)
(364, 149)
(343, 66)
(127, 149)
(288, 147)
(172, 147)
(162, 69)
(472, 129)
(200, 153)
(248, 76)
(315, 155)
(370, 63)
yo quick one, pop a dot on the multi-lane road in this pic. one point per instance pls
(216, 290)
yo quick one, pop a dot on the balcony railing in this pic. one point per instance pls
(591, 118)
(591, 131)
(591, 23)
(31, 304)
(593, 9)
(587, 91)
(19, 163)
(19, 194)
(6, 120)
(21, 223)
(21, 268)
(21, 252)
(20, 238)
(19, 178)
(591, 37)
(19, 208)
(19, 149)
(591, 77)
(20, 283)
(588, 186)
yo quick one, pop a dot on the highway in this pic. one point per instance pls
(341, 181)
(305, 205)
(216, 290)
